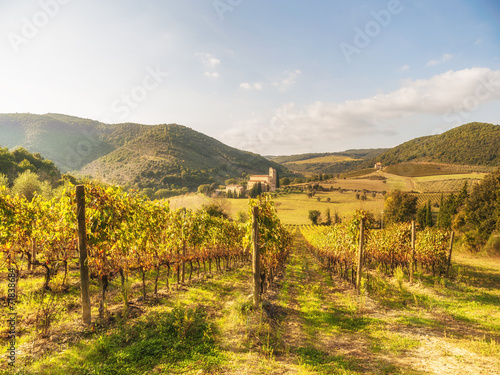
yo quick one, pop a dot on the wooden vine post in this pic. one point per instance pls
(82, 247)
(255, 257)
(32, 255)
(412, 259)
(183, 260)
(360, 253)
(448, 264)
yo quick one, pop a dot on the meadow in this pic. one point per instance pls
(323, 159)
(293, 207)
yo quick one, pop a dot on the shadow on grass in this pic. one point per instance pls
(181, 339)
(343, 319)
(452, 310)
(324, 363)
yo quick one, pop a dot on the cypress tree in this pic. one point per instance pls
(421, 216)
(428, 215)
(259, 189)
(441, 212)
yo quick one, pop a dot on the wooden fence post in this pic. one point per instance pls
(449, 254)
(360, 253)
(412, 259)
(82, 247)
(255, 258)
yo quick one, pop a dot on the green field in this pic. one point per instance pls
(293, 208)
(434, 169)
(446, 183)
(322, 159)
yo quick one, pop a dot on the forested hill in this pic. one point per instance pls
(174, 156)
(13, 163)
(470, 144)
(139, 156)
(70, 142)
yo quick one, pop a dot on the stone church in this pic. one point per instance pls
(268, 182)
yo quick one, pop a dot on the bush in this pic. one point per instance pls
(28, 184)
(400, 207)
(4, 181)
(217, 208)
(314, 216)
(492, 247)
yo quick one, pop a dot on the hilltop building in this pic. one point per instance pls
(268, 182)
(378, 166)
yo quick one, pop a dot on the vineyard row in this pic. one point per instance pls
(129, 233)
(386, 249)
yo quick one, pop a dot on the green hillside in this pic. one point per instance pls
(470, 144)
(69, 142)
(13, 163)
(174, 156)
(134, 155)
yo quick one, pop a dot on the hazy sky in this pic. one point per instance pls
(269, 76)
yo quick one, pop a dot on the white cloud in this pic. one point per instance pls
(444, 58)
(288, 81)
(444, 95)
(478, 42)
(211, 74)
(208, 59)
(252, 86)
(404, 67)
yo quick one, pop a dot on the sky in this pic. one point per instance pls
(275, 77)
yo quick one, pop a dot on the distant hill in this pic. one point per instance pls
(475, 144)
(327, 162)
(70, 142)
(138, 156)
(174, 156)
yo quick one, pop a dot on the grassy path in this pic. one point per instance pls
(328, 327)
(434, 327)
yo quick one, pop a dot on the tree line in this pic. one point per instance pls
(474, 211)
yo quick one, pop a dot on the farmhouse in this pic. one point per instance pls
(268, 182)
(378, 166)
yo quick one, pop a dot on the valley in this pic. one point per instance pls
(340, 195)
(170, 249)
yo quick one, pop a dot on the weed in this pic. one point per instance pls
(399, 276)
(394, 343)
(48, 310)
(324, 363)
(180, 339)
